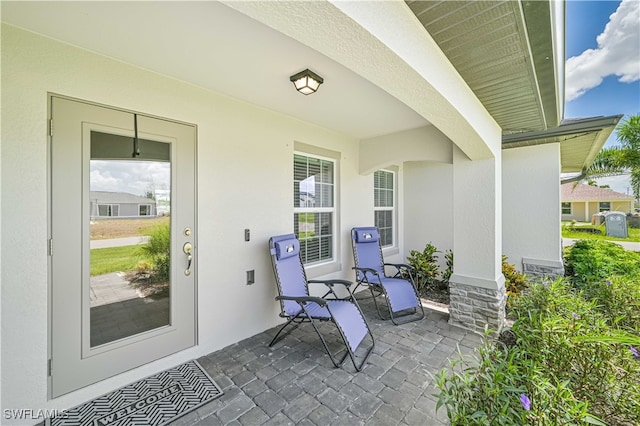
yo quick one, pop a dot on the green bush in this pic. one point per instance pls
(464, 392)
(425, 264)
(446, 274)
(592, 261)
(515, 281)
(159, 249)
(493, 387)
(619, 299)
(567, 360)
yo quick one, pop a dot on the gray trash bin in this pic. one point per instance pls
(616, 224)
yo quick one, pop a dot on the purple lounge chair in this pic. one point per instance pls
(297, 306)
(399, 290)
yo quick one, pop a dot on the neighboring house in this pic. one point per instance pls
(120, 204)
(307, 199)
(580, 202)
(437, 121)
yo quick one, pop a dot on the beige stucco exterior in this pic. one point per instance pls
(583, 211)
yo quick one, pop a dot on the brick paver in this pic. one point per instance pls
(294, 382)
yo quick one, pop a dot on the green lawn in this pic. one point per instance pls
(568, 232)
(114, 259)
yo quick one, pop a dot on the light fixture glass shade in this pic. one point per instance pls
(306, 82)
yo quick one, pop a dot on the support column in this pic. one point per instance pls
(586, 212)
(478, 295)
(530, 217)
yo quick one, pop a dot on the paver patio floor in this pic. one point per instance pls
(294, 382)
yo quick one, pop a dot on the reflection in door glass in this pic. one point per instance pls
(130, 237)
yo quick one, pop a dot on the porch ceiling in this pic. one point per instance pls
(504, 50)
(210, 45)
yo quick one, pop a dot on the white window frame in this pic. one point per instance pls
(149, 209)
(600, 209)
(110, 208)
(562, 207)
(392, 209)
(313, 209)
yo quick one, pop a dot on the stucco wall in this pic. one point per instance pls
(421, 144)
(428, 215)
(531, 204)
(578, 212)
(622, 206)
(616, 206)
(228, 130)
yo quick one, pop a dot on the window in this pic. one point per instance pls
(108, 209)
(144, 210)
(314, 207)
(383, 195)
(605, 206)
(566, 208)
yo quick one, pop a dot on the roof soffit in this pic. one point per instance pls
(504, 51)
(580, 140)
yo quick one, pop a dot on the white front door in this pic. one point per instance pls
(122, 241)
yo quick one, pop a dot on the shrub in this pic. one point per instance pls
(551, 321)
(464, 393)
(565, 377)
(446, 274)
(143, 266)
(426, 266)
(619, 299)
(592, 261)
(515, 281)
(159, 248)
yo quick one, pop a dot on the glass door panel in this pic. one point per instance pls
(130, 237)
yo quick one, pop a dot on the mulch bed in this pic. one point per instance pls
(436, 292)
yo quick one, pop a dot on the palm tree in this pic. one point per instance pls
(622, 159)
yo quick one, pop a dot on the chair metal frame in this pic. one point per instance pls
(304, 316)
(371, 278)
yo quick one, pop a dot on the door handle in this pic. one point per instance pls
(187, 248)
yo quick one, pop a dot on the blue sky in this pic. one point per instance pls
(603, 63)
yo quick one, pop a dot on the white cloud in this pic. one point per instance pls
(620, 183)
(134, 177)
(617, 54)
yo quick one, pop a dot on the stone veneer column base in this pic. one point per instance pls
(542, 269)
(476, 303)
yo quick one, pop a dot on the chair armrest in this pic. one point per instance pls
(400, 266)
(331, 283)
(371, 270)
(304, 299)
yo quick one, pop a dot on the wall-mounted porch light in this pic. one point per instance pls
(306, 82)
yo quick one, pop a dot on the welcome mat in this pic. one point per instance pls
(153, 401)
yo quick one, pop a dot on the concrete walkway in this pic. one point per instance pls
(118, 242)
(631, 246)
(295, 383)
(110, 288)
